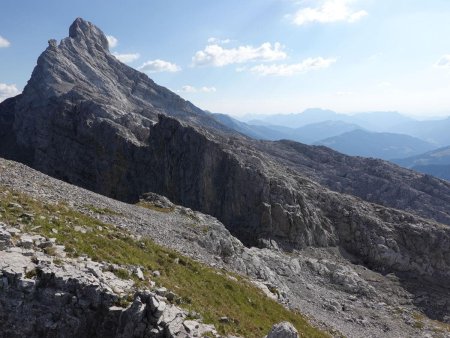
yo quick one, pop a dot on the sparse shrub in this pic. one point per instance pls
(122, 273)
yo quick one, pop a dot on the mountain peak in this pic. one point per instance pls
(82, 30)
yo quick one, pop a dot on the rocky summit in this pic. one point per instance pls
(361, 246)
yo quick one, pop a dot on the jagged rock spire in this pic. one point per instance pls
(84, 31)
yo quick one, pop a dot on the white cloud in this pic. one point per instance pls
(192, 89)
(215, 55)
(156, 66)
(7, 91)
(329, 11)
(112, 41)
(3, 42)
(213, 40)
(291, 69)
(443, 62)
(123, 57)
(127, 58)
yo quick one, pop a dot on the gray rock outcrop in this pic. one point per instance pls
(157, 200)
(283, 330)
(48, 296)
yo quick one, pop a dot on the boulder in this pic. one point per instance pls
(157, 200)
(283, 330)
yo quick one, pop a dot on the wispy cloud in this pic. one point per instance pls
(290, 69)
(218, 41)
(4, 43)
(127, 58)
(7, 90)
(215, 55)
(443, 62)
(329, 11)
(112, 41)
(192, 89)
(156, 66)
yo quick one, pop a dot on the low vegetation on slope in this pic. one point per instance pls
(213, 293)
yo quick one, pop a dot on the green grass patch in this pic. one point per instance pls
(437, 326)
(200, 288)
(440, 327)
(102, 211)
(122, 273)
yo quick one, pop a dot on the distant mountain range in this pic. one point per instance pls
(436, 163)
(309, 116)
(259, 132)
(315, 132)
(385, 135)
(380, 145)
(434, 131)
(308, 134)
(374, 121)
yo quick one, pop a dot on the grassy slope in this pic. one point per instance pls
(210, 292)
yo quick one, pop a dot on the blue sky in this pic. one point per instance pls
(257, 56)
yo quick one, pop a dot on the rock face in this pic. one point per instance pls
(61, 297)
(372, 180)
(283, 330)
(90, 120)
